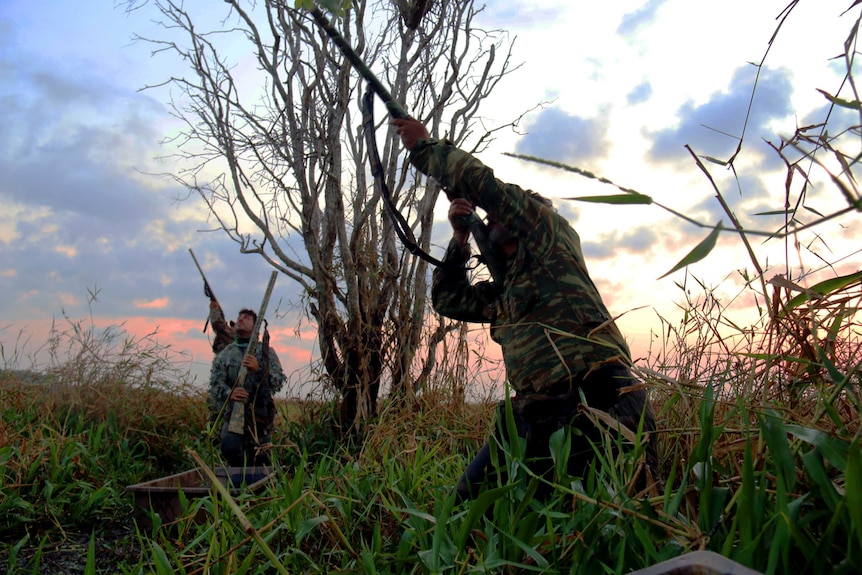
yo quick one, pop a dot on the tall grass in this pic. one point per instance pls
(760, 462)
(107, 410)
(762, 433)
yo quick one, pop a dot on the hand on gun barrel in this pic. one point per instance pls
(410, 131)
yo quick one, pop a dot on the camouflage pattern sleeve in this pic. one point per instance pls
(462, 175)
(276, 373)
(220, 382)
(223, 333)
(452, 294)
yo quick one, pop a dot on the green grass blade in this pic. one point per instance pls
(849, 104)
(162, 563)
(699, 252)
(90, 567)
(746, 500)
(832, 448)
(616, 199)
(478, 509)
(813, 462)
(853, 488)
(779, 450)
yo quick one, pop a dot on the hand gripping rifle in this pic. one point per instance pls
(490, 255)
(236, 423)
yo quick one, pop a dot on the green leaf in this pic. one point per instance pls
(746, 499)
(779, 450)
(309, 525)
(13, 553)
(813, 461)
(824, 288)
(526, 530)
(850, 104)
(715, 160)
(772, 213)
(832, 448)
(163, 564)
(618, 199)
(835, 326)
(712, 502)
(781, 541)
(441, 545)
(699, 252)
(703, 450)
(478, 509)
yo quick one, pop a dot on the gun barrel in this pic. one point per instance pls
(207, 289)
(394, 108)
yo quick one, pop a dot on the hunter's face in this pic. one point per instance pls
(244, 324)
(497, 233)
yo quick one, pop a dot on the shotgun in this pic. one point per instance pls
(236, 423)
(207, 289)
(490, 254)
(394, 108)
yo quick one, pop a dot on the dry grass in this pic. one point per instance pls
(103, 378)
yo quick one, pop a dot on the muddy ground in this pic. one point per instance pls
(64, 551)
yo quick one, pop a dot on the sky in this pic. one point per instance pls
(95, 232)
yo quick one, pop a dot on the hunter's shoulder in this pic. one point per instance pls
(230, 354)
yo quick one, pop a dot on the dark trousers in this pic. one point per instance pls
(243, 450)
(537, 417)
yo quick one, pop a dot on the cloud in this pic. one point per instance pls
(67, 145)
(632, 22)
(81, 223)
(748, 197)
(639, 94)
(556, 135)
(713, 128)
(509, 15)
(636, 240)
(837, 119)
(159, 303)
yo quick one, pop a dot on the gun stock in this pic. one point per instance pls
(492, 255)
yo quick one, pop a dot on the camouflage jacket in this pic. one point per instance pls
(222, 331)
(225, 369)
(548, 318)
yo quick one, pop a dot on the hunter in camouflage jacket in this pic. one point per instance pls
(260, 408)
(548, 317)
(557, 337)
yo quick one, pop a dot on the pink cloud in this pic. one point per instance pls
(160, 303)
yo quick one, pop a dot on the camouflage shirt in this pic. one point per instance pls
(548, 317)
(225, 370)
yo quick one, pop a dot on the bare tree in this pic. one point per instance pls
(291, 160)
